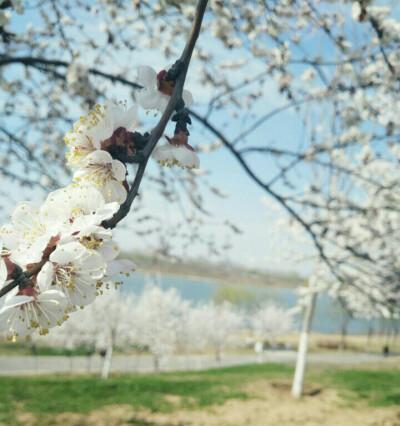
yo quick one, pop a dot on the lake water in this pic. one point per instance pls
(327, 319)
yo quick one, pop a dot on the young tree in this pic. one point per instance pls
(101, 326)
(157, 320)
(218, 326)
(269, 321)
(302, 350)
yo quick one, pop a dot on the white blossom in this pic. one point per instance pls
(172, 155)
(27, 236)
(3, 266)
(156, 93)
(30, 309)
(76, 206)
(105, 173)
(177, 152)
(78, 81)
(93, 131)
(74, 270)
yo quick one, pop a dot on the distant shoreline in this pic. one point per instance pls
(241, 281)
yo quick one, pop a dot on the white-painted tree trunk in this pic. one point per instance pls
(298, 380)
(105, 371)
(218, 356)
(156, 363)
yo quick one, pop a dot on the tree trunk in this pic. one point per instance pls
(156, 363)
(218, 356)
(105, 372)
(343, 335)
(89, 363)
(298, 380)
(71, 368)
(369, 336)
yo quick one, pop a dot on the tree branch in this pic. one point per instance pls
(42, 63)
(158, 131)
(155, 135)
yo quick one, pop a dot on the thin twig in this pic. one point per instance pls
(42, 64)
(23, 276)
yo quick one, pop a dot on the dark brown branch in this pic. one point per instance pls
(41, 64)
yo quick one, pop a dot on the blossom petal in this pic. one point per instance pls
(94, 266)
(9, 235)
(99, 157)
(108, 251)
(3, 272)
(67, 253)
(127, 119)
(147, 77)
(82, 295)
(120, 266)
(187, 98)
(115, 191)
(162, 102)
(147, 99)
(119, 170)
(25, 214)
(52, 308)
(45, 276)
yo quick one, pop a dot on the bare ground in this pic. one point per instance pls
(270, 404)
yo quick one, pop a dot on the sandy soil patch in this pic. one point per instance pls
(270, 405)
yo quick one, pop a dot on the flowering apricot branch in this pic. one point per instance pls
(174, 102)
(59, 256)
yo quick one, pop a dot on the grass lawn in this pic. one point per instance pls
(59, 393)
(379, 388)
(24, 348)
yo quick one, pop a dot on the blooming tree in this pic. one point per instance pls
(59, 256)
(331, 67)
(217, 326)
(269, 321)
(104, 324)
(158, 321)
(331, 64)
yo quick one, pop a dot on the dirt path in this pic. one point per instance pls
(22, 365)
(270, 405)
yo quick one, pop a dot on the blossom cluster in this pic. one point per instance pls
(62, 253)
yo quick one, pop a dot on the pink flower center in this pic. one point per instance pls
(164, 86)
(27, 291)
(180, 139)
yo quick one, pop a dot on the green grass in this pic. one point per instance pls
(47, 395)
(24, 348)
(377, 387)
(57, 394)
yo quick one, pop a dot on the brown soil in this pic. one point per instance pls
(270, 405)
